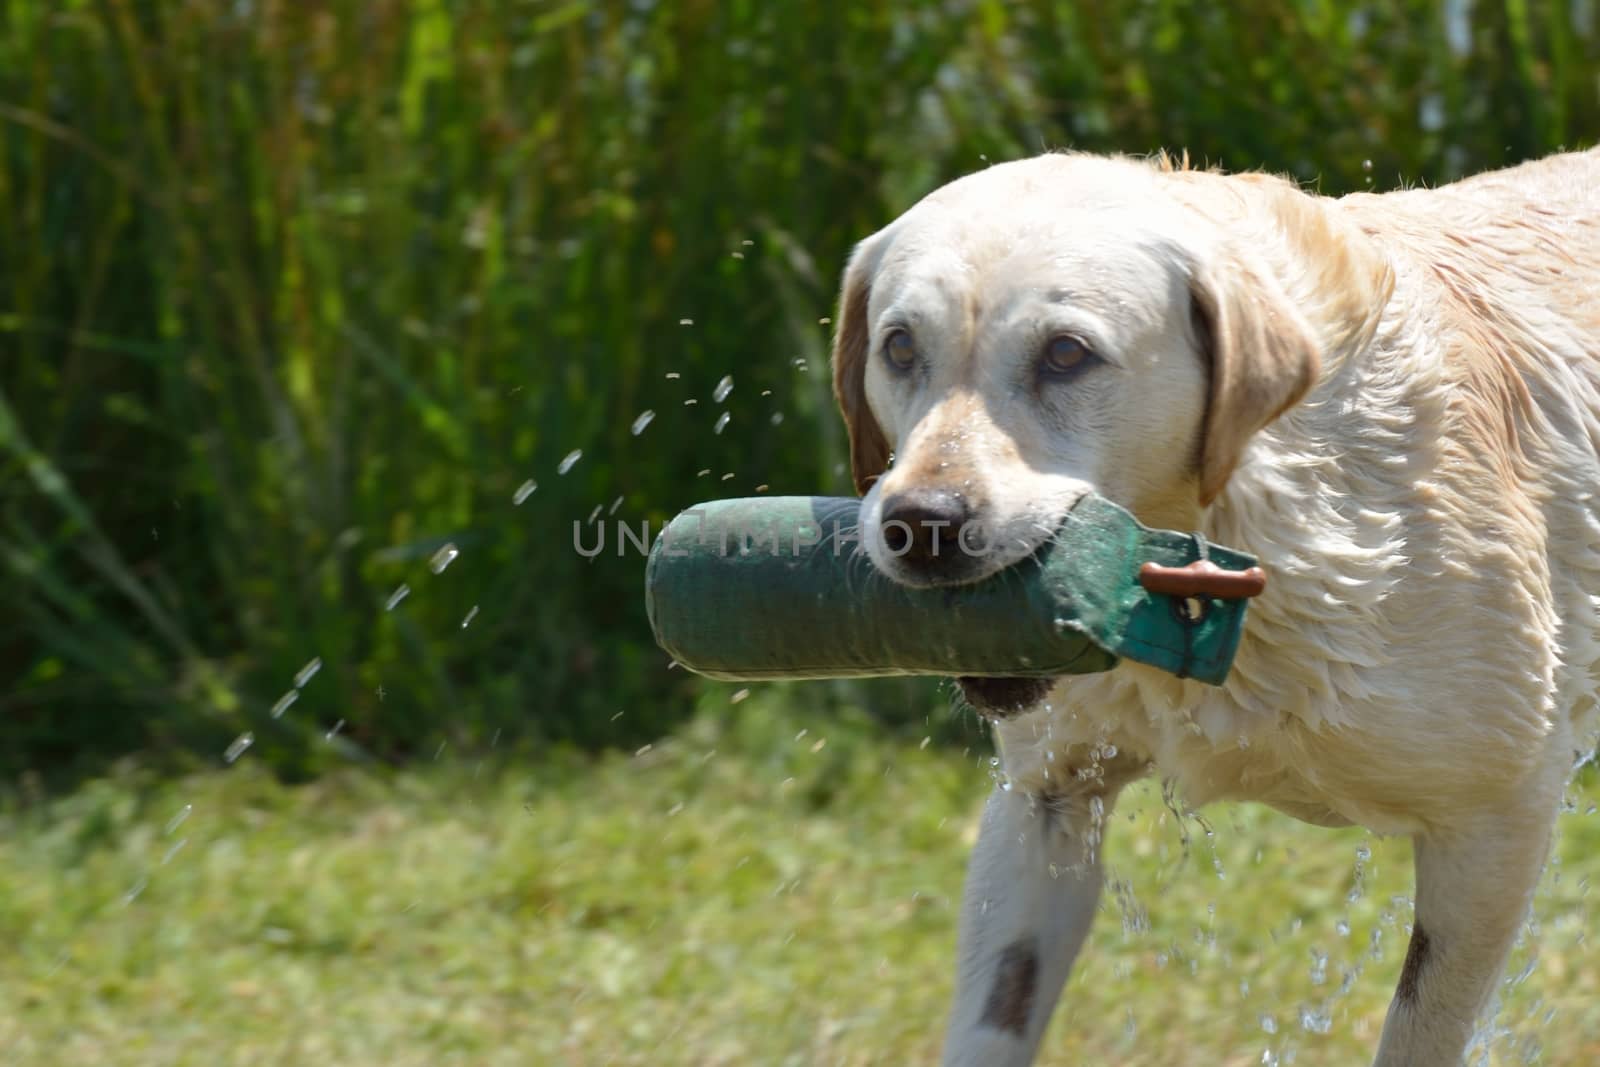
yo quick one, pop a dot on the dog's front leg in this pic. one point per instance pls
(1473, 888)
(1032, 886)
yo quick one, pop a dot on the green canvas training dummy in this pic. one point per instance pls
(781, 587)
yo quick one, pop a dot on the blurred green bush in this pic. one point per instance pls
(294, 295)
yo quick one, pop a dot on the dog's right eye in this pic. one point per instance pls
(899, 350)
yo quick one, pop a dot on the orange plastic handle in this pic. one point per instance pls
(1203, 578)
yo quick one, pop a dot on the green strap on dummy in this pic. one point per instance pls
(781, 587)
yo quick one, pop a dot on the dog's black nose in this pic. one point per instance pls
(923, 527)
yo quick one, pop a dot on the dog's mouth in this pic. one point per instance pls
(1001, 698)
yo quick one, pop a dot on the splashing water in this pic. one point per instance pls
(524, 491)
(178, 819)
(568, 461)
(724, 387)
(642, 421)
(308, 672)
(239, 745)
(443, 558)
(1315, 1020)
(397, 596)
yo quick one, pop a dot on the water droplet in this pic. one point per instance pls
(473, 614)
(1366, 165)
(240, 743)
(443, 558)
(1269, 1023)
(642, 421)
(691, 402)
(134, 890)
(824, 321)
(173, 850)
(397, 596)
(524, 491)
(1343, 927)
(1313, 1021)
(724, 387)
(178, 819)
(673, 375)
(1363, 853)
(1109, 751)
(566, 463)
(308, 672)
(284, 702)
(329, 736)
(740, 695)
(685, 322)
(722, 422)
(777, 418)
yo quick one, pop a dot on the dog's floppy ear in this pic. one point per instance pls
(1263, 358)
(869, 449)
(1292, 290)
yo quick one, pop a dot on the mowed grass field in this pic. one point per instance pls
(758, 889)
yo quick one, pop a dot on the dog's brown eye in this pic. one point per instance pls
(899, 350)
(1063, 355)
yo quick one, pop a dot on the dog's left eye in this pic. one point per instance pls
(1064, 355)
(900, 350)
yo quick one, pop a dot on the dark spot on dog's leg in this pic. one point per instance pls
(1016, 975)
(1416, 957)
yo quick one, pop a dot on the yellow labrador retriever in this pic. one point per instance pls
(1393, 400)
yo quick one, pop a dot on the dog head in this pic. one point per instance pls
(1070, 323)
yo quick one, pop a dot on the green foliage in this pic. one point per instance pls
(293, 295)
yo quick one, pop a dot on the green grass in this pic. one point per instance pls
(735, 894)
